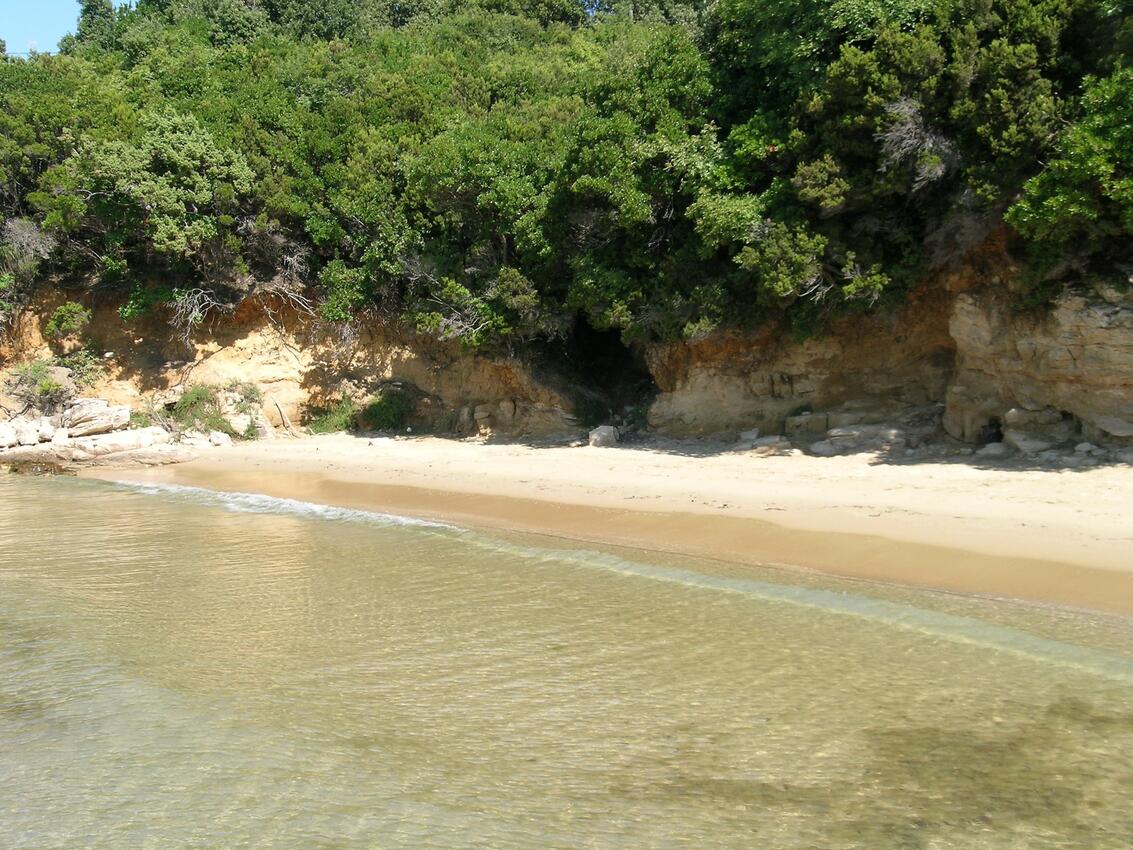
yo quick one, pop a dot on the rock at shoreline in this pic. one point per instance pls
(604, 436)
(98, 448)
(90, 416)
(8, 436)
(859, 438)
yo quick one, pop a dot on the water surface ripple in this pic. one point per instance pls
(180, 668)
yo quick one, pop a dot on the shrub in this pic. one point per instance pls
(386, 412)
(85, 365)
(250, 396)
(70, 318)
(199, 410)
(33, 385)
(330, 420)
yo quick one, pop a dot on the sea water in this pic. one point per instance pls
(185, 669)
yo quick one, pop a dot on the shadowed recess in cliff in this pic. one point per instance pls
(611, 378)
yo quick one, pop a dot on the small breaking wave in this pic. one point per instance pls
(256, 503)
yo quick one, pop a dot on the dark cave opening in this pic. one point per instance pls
(613, 376)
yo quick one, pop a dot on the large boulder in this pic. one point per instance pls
(8, 436)
(89, 416)
(27, 431)
(604, 435)
(1025, 442)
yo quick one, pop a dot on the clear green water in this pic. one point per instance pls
(181, 670)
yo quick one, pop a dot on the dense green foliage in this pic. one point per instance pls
(69, 318)
(492, 171)
(340, 416)
(388, 411)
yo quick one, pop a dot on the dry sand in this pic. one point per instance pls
(1050, 536)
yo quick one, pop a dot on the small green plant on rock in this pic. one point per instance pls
(34, 385)
(85, 365)
(251, 398)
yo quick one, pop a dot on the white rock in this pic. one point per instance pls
(749, 436)
(121, 441)
(1077, 461)
(60, 437)
(239, 422)
(8, 436)
(89, 416)
(1024, 442)
(604, 435)
(994, 450)
(219, 438)
(1083, 448)
(46, 429)
(825, 448)
(27, 432)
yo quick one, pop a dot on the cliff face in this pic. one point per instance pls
(1071, 366)
(956, 355)
(300, 367)
(1065, 372)
(878, 364)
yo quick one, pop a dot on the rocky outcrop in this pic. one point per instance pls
(147, 446)
(1043, 379)
(89, 416)
(880, 365)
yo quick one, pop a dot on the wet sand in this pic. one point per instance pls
(1046, 536)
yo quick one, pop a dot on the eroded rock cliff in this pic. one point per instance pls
(878, 364)
(1046, 373)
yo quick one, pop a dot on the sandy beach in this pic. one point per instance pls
(1063, 537)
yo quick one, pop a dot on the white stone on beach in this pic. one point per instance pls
(604, 435)
(219, 438)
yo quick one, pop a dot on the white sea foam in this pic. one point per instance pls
(255, 503)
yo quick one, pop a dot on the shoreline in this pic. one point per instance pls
(1008, 533)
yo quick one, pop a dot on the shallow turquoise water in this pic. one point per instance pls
(182, 669)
